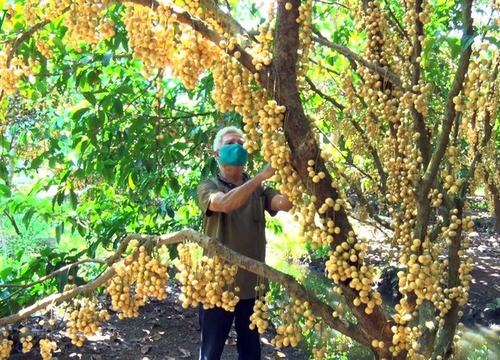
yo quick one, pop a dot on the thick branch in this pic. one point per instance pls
(292, 286)
(58, 298)
(213, 246)
(444, 345)
(418, 117)
(450, 112)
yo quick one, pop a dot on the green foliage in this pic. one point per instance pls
(122, 154)
(479, 354)
(478, 203)
(319, 253)
(494, 306)
(123, 147)
(17, 273)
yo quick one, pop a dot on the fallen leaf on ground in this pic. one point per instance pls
(185, 353)
(145, 349)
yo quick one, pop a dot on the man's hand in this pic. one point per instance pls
(234, 199)
(267, 172)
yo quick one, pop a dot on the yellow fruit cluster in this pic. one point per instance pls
(231, 87)
(344, 265)
(375, 20)
(289, 332)
(138, 277)
(420, 96)
(320, 352)
(205, 280)
(478, 101)
(47, 347)
(274, 148)
(12, 71)
(86, 23)
(26, 340)
(44, 47)
(160, 41)
(193, 7)
(406, 338)
(34, 10)
(31, 12)
(477, 85)
(378, 96)
(260, 316)
(84, 319)
(414, 19)
(233, 90)
(318, 230)
(193, 56)
(5, 344)
(305, 31)
(261, 50)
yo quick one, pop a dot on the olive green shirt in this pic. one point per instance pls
(242, 230)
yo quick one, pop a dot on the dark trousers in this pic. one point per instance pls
(215, 325)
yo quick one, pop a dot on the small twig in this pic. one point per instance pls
(13, 222)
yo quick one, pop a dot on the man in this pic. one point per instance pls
(233, 206)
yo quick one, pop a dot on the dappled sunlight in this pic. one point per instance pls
(479, 343)
(288, 244)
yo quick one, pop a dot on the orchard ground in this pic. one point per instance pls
(164, 330)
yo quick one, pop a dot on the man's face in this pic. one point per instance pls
(230, 138)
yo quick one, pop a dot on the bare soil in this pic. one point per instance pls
(166, 331)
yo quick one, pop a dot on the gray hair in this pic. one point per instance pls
(226, 130)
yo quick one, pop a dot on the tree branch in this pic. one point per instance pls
(450, 112)
(213, 246)
(13, 222)
(53, 274)
(384, 72)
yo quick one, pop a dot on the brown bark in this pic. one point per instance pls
(293, 287)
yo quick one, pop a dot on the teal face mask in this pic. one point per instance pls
(233, 154)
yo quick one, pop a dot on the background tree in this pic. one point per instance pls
(396, 102)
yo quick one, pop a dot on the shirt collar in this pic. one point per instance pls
(246, 177)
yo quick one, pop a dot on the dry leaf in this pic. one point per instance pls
(185, 353)
(145, 349)
(156, 337)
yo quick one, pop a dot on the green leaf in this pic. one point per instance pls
(131, 183)
(60, 196)
(36, 162)
(494, 40)
(118, 107)
(59, 231)
(124, 89)
(467, 41)
(85, 60)
(106, 58)
(5, 190)
(90, 97)
(94, 125)
(73, 199)
(78, 114)
(58, 43)
(28, 215)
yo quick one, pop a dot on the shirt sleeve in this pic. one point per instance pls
(205, 189)
(269, 193)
